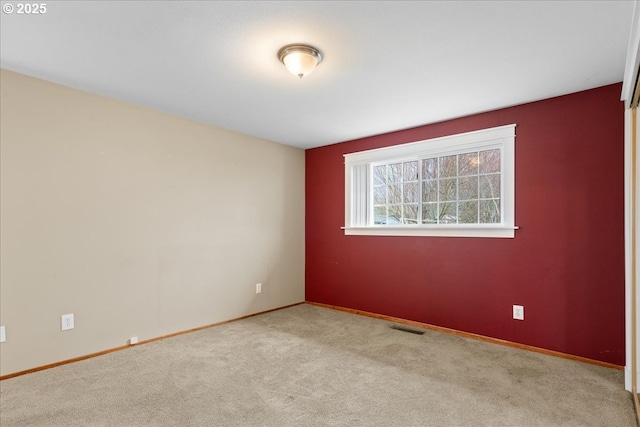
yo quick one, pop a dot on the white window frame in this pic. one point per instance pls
(358, 188)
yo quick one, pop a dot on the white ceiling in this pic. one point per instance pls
(387, 66)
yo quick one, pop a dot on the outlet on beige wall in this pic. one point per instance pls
(139, 222)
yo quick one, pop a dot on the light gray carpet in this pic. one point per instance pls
(311, 366)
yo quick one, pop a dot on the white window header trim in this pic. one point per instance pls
(484, 137)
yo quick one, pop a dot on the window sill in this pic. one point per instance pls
(490, 231)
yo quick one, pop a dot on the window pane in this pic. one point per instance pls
(395, 214)
(490, 161)
(448, 189)
(490, 186)
(380, 215)
(380, 195)
(430, 168)
(447, 214)
(379, 175)
(468, 164)
(410, 214)
(430, 191)
(394, 173)
(394, 193)
(468, 212)
(490, 211)
(430, 213)
(411, 192)
(462, 188)
(448, 166)
(468, 188)
(410, 171)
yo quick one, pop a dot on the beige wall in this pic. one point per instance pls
(138, 222)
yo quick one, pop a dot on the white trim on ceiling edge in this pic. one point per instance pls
(633, 58)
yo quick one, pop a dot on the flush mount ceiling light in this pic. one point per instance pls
(300, 59)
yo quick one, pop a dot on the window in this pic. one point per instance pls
(460, 185)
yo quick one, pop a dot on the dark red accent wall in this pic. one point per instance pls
(565, 264)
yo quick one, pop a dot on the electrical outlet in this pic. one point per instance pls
(133, 340)
(66, 322)
(3, 334)
(258, 288)
(518, 312)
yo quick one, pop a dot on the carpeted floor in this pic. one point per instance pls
(311, 366)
